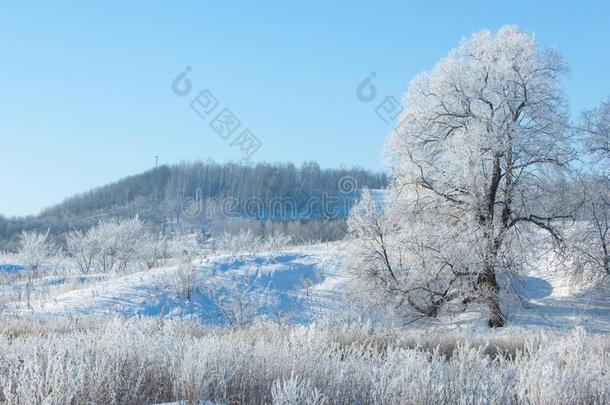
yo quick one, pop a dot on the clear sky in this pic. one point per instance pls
(86, 96)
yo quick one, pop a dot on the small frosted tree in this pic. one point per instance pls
(35, 249)
(153, 250)
(479, 136)
(110, 245)
(183, 247)
(83, 248)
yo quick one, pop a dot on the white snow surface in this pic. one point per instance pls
(303, 283)
(308, 283)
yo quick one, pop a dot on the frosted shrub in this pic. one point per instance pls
(115, 361)
(296, 391)
(185, 281)
(183, 247)
(245, 242)
(35, 249)
(153, 251)
(83, 248)
(237, 297)
(276, 242)
(109, 246)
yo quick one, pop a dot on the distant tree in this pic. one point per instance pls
(590, 239)
(83, 248)
(183, 247)
(153, 249)
(110, 245)
(35, 249)
(596, 125)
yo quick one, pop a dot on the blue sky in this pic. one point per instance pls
(86, 95)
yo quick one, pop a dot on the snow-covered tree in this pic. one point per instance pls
(597, 134)
(401, 260)
(83, 248)
(591, 234)
(589, 245)
(35, 248)
(185, 281)
(479, 135)
(109, 246)
(154, 249)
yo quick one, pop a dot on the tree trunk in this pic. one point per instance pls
(496, 318)
(487, 281)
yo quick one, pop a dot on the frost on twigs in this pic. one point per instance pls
(163, 360)
(481, 137)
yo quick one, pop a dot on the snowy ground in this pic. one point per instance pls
(554, 300)
(301, 285)
(76, 354)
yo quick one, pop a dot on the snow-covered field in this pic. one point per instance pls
(299, 285)
(296, 336)
(152, 360)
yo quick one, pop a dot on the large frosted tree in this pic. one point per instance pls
(479, 137)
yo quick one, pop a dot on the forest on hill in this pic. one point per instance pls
(192, 196)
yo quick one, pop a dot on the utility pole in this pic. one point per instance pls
(155, 202)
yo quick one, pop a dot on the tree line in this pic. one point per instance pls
(170, 198)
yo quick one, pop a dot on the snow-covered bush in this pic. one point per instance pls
(296, 391)
(185, 281)
(183, 247)
(95, 360)
(244, 242)
(110, 246)
(153, 250)
(276, 242)
(247, 242)
(237, 297)
(122, 241)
